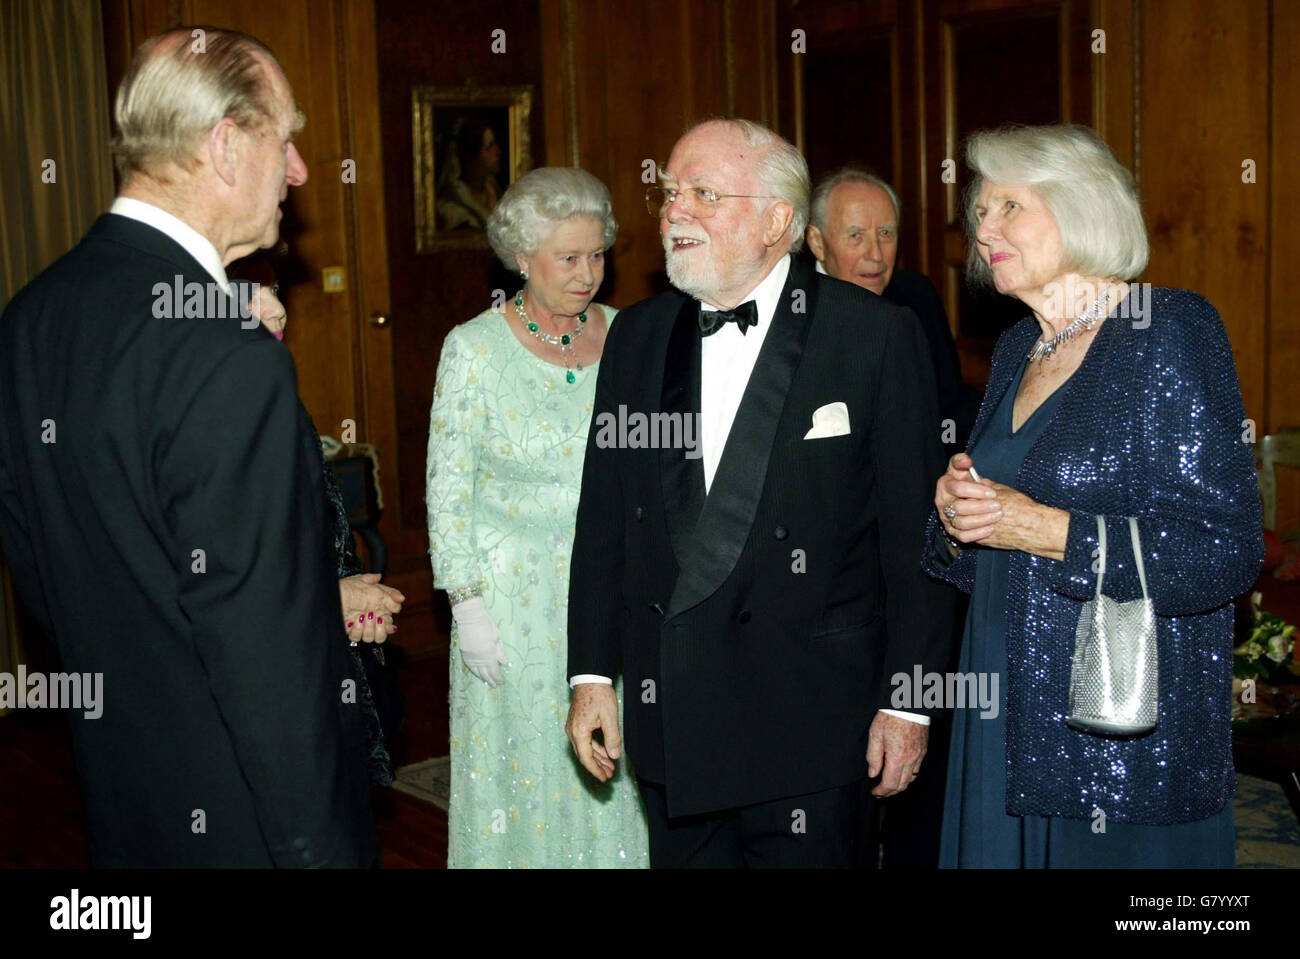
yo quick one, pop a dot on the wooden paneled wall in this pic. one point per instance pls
(620, 83)
(1190, 90)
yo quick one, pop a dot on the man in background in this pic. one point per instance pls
(853, 232)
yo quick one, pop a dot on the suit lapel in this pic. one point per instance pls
(682, 478)
(727, 518)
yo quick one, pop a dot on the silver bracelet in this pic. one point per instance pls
(462, 593)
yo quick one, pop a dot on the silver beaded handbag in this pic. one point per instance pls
(1113, 682)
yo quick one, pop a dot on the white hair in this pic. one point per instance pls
(849, 174)
(779, 166)
(174, 93)
(1092, 198)
(540, 201)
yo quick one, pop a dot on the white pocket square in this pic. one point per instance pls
(829, 420)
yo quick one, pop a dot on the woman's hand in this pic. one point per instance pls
(368, 607)
(974, 506)
(268, 308)
(1027, 525)
(481, 648)
(996, 515)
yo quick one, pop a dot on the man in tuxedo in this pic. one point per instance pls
(161, 503)
(760, 591)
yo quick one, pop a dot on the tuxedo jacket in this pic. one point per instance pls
(757, 627)
(162, 511)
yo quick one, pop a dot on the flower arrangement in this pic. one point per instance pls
(1266, 653)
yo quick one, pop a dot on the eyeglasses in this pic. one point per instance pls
(701, 202)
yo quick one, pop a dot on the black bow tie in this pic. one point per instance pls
(744, 316)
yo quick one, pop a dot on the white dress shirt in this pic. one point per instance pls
(727, 359)
(195, 243)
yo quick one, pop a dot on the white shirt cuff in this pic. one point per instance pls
(910, 717)
(590, 678)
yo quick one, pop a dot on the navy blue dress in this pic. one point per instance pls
(977, 830)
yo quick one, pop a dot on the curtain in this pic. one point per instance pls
(56, 172)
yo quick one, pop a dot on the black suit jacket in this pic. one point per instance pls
(757, 627)
(225, 739)
(957, 402)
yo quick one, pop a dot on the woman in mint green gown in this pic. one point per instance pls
(508, 430)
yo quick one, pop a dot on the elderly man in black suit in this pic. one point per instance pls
(759, 589)
(161, 500)
(853, 233)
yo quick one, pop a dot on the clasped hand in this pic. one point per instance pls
(369, 607)
(996, 515)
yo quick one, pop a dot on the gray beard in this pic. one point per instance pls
(698, 283)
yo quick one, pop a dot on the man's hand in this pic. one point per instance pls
(595, 707)
(899, 745)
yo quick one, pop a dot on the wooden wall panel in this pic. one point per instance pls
(1282, 349)
(1207, 227)
(621, 83)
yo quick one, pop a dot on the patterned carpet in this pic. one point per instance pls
(1268, 834)
(429, 780)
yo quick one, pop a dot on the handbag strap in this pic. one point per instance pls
(1101, 550)
(1137, 555)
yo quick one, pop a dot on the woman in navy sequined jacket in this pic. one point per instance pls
(1150, 424)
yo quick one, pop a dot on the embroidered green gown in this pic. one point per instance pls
(507, 437)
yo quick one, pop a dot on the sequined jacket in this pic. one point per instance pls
(1151, 426)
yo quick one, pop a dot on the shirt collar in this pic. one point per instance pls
(191, 240)
(767, 294)
(821, 269)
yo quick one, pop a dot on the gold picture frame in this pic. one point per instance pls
(458, 127)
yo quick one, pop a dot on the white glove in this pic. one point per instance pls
(481, 648)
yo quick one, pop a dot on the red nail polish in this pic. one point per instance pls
(371, 616)
(381, 620)
(349, 625)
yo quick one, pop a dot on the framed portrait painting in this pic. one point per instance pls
(470, 143)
